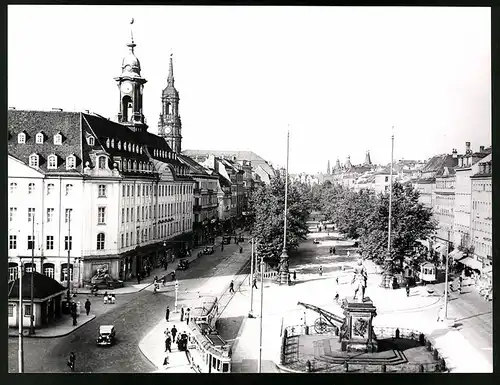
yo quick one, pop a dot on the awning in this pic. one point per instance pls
(440, 248)
(456, 254)
(472, 263)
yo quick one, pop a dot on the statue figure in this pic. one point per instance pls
(359, 280)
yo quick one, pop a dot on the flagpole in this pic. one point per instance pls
(387, 276)
(284, 272)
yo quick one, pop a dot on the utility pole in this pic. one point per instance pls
(261, 310)
(69, 254)
(251, 282)
(32, 316)
(20, 356)
(446, 279)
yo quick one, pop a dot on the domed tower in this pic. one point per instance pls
(169, 124)
(131, 85)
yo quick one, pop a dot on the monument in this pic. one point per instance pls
(357, 333)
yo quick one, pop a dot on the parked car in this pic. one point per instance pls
(106, 335)
(316, 242)
(106, 283)
(208, 250)
(183, 264)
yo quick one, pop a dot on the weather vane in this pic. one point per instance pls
(131, 31)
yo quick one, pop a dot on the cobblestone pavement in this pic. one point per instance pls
(134, 315)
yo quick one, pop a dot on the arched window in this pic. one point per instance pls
(34, 160)
(57, 139)
(102, 162)
(64, 272)
(13, 188)
(119, 145)
(112, 143)
(29, 267)
(52, 162)
(13, 271)
(39, 138)
(70, 162)
(108, 142)
(129, 164)
(134, 165)
(91, 140)
(50, 188)
(100, 241)
(49, 270)
(21, 138)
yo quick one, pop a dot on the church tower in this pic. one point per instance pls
(169, 124)
(131, 85)
(328, 168)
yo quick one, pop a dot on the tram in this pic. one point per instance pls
(207, 351)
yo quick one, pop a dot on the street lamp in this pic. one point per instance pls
(387, 276)
(68, 295)
(20, 357)
(32, 286)
(446, 279)
(261, 310)
(284, 272)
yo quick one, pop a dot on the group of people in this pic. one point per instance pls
(172, 336)
(109, 298)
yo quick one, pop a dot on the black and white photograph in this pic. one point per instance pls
(249, 189)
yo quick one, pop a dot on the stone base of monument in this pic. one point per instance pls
(357, 334)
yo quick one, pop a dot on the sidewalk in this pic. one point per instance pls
(131, 287)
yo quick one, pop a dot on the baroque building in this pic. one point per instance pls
(88, 193)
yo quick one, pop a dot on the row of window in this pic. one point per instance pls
(478, 186)
(147, 190)
(481, 206)
(52, 161)
(68, 188)
(39, 138)
(49, 214)
(48, 269)
(49, 242)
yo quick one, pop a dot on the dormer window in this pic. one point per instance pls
(70, 162)
(52, 162)
(119, 145)
(129, 164)
(140, 150)
(21, 138)
(39, 138)
(125, 146)
(57, 139)
(102, 162)
(112, 143)
(34, 160)
(91, 140)
(107, 143)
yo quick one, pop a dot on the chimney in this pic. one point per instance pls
(467, 147)
(481, 148)
(454, 153)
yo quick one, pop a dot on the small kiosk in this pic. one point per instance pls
(427, 272)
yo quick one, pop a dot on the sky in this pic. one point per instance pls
(338, 78)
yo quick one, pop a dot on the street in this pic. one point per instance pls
(133, 316)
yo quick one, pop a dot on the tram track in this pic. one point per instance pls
(226, 296)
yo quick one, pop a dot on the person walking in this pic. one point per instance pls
(167, 313)
(182, 314)
(71, 361)
(174, 332)
(138, 278)
(87, 306)
(241, 249)
(336, 297)
(337, 280)
(187, 315)
(254, 284)
(333, 250)
(320, 271)
(168, 344)
(231, 287)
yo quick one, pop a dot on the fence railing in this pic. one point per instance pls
(291, 357)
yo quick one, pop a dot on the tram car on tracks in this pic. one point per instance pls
(207, 351)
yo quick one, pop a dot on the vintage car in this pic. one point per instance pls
(316, 242)
(106, 335)
(208, 250)
(106, 282)
(183, 264)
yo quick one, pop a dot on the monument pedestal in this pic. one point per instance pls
(358, 334)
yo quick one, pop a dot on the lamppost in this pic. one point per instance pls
(32, 285)
(446, 279)
(387, 276)
(261, 310)
(68, 294)
(251, 283)
(284, 272)
(20, 357)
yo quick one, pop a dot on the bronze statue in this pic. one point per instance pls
(359, 280)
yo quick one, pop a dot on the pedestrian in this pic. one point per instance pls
(320, 271)
(336, 297)
(187, 315)
(337, 280)
(138, 278)
(168, 344)
(440, 314)
(167, 313)
(333, 250)
(289, 277)
(165, 265)
(222, 247)
(166, 360)
(182, 314)
(348, 254)
(71, 361)
(254, 284)
(294, 275)
(174, 332)
(241, 249)
(231, 287)
(164, 280)
(87, 306)
(407, 289)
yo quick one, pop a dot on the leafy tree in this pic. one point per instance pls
(267, 215)
(411, 221)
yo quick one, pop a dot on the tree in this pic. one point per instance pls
(267, 215)
(411, 221)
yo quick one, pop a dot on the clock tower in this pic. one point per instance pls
(130, 86)
(169, 124)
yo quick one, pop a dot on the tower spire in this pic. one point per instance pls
(328, 167)
(367, 158)
(131, 45)
(170, 80)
